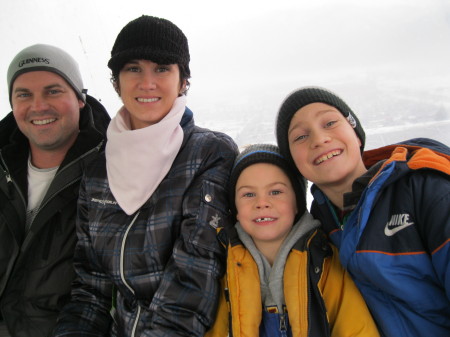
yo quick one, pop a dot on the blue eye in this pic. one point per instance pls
(249, 194)
(54, 91)
(300, 138)
(330, 123)
(275, 192)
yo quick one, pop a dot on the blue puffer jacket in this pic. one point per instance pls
(396, 242)
(155, 272)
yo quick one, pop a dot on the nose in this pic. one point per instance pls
(147, 81)
(39, 103)
(262, 202)
(318, 138)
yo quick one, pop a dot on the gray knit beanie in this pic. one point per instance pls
(267, 153)
(302, 97)
(43, 57)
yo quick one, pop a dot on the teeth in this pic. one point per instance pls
(147, 100)
(264, 219)
(43, 121)
(328, 156)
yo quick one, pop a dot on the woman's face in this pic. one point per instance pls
(148, 90)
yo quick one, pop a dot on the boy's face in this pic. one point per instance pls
(266, 204)
(324, 146)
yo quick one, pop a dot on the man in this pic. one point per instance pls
(54, 131)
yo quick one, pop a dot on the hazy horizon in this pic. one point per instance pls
(387, 59)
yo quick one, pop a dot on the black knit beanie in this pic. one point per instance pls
(304, 96)
(267, 153)
(150, 38)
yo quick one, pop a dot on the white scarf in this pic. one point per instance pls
(138, 160)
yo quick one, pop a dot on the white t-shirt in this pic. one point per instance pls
(39, 181)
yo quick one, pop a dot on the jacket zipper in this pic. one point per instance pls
(230, 318)
(10, 181)
(283, 325)
(47, 200)
(122, 276)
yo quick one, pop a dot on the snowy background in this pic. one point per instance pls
(389, 59)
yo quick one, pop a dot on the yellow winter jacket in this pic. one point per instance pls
(320, 296)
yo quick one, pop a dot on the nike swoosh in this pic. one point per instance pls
(389, 232)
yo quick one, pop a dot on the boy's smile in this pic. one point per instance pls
(327, 156)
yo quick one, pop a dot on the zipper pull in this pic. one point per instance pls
(9, 183)
(283, 326)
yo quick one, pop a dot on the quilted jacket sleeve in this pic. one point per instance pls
(432, 205)
(186, 301)
(88, 313)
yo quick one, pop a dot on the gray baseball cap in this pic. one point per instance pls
(43, 57)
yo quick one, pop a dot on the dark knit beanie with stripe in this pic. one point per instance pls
(150, 38)
(302, 97)
(267, 153)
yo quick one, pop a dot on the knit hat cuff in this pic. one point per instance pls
(150, 38)
(143, 53)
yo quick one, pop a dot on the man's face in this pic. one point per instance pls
(47, 111)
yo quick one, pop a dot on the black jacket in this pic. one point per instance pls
(36, 267)
(163, 263)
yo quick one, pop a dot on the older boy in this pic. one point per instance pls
(390, 222)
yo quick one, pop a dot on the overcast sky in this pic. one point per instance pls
(246, 56)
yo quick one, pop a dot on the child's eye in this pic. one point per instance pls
(330, 124)
(301, 138)
(275, 192)
(248, 195)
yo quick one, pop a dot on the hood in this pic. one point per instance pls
(417, 153)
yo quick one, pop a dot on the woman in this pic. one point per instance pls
(148, 261)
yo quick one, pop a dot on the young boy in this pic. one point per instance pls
(388, 211)
(283, 277)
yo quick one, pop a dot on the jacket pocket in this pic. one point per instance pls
(213, 214)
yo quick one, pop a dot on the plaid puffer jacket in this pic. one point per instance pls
(156, 272)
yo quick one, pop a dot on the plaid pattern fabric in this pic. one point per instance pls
(164, 262)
